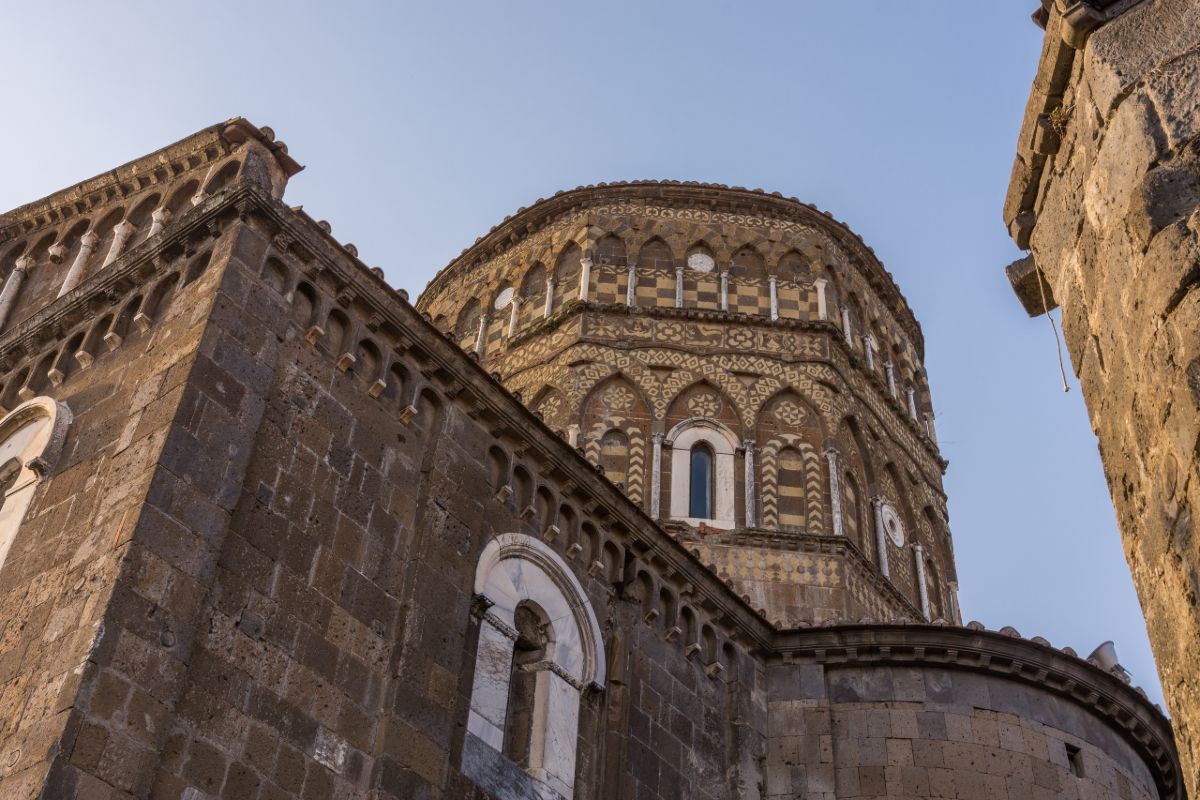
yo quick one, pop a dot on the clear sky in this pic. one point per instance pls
(424, 124)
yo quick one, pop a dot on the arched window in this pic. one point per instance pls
(31, 438)
(701, 488)
(539, 649)
(702, 472)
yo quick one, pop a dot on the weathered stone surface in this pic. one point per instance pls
(1117, 237)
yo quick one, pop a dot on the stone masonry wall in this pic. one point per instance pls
(1113, 222)
(299, 623)
(86, 533)
(856, 731)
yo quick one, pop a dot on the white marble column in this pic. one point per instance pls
(889, 370)
(929, 427)
(912, 403)
(955, 612)
(631, 285)
(774, 298)
(158, 221)
(573, 434)
(846, 327)
(679, 287)
(121, 235)
(481, 338)
(87, 245)
(869, 350)
(549, 297)
(656, 476)
(880, 536)
(922, 589)
(751, 489)
(585, 278)
(12, 288)
(725, 290)
(822, 304)
(835, 489)
(514, 316)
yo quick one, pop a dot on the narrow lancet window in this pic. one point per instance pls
(700, 504)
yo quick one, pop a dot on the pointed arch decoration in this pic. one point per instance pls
(617, 403)
(814, 514)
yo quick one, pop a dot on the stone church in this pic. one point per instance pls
(641, 499)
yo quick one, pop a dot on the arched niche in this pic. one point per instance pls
(617, 405)
(518, 573)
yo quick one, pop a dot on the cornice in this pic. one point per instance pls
(162, 165)
(686, 194)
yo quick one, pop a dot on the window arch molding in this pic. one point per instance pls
(31, 440)
(682, 438)
(516, 570)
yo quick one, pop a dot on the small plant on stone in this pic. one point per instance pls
(1059, 118)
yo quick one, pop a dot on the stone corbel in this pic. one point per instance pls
(283, 242)
(480, 604)
(1080, 18)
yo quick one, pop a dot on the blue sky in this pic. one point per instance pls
(424, 124)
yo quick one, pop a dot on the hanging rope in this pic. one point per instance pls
(1062, 369)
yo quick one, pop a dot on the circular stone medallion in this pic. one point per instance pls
(503, 299)
(701, 262)
(892, 525)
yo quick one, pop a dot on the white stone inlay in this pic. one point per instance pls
(701, 262)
